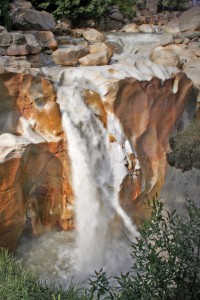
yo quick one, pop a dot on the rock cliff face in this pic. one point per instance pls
(35, 188)
(136, 109)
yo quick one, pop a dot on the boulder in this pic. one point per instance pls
(148, 28)
(100, 54)
(161, 55)
(174, 55)
(46, 39)
(192, 69)
(167, 39)
(24, 18)
(100, 47)
(19, 62)
(172, 26)
(33, 45)
(132, 27)
(69, 56)
(40, 60)
(190, 20)
(95, 59)
(92, 35)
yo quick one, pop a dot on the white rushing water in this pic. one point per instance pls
(136, 46)
(97, 208)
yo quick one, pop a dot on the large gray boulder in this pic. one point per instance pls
(190, 20)
(25, 18)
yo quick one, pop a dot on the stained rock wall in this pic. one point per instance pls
(35, 175)
(35, 188)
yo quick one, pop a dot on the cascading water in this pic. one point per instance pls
(97, 208)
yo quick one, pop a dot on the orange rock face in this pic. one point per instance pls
(35, 186)
(149, 112)
(35, 190)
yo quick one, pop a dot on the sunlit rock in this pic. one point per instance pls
(92, 35)
(69, 56)
(33, 152)
(132, 27)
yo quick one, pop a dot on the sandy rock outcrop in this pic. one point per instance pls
(172, 26)
(132, 27)
(190, 20)
(45, 39)
(69, 56)
(100, 55)
(148, 28)
(174, 55)
(37, 195)
(92, 35)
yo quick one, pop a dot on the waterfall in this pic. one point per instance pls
(99, 217)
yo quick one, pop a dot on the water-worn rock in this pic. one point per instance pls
(100, 54)
(99, 47)
(69, 56)
(37, 191)
(160, 55)
(148, 28)
(40, 60)
(18, 62)
(190, 20)
(132, 27)
(46, 39)
(33, 45)
(174, 55)
(167, 39)
(172, 26)
(95, 59)
(92, 35)
(25, 18)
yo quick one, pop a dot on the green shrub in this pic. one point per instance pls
(126, 6)
(166, 261)
(185, 147)
(4, 13)
(76, 9)
(173, 4)
(16, 284)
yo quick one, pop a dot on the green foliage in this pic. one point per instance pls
(173, 4)
(186, 148)
(166, 260)
(16, 284)
(76, 9)
(126, 6)
(4, 13)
